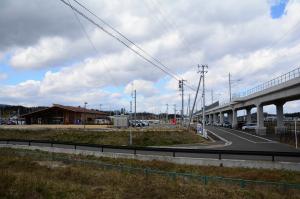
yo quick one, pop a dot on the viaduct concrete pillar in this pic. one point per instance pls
(215, 116)
(279, 114)
(221, 118)
(234, 119)
(248, 116)
(210, 118)
(229, 116)
(260, 129)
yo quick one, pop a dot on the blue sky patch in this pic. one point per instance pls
(278, 9)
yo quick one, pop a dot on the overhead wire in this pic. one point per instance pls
(124, 37)
(119, 40)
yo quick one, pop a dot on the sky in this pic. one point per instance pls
(49, 56)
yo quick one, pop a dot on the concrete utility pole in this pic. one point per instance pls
(188, 110)
(85, 103)
(203, 99)
(134, 104)
(174, 112)
(181, 88)
(195, 100)
(229, 78)
(167, 112)
(130, 118)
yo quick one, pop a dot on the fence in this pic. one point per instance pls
(134, 149)
(243, 183)
(281, 79)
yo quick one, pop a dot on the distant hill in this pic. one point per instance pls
(8, 111)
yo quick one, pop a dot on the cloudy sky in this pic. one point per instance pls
(49, 56)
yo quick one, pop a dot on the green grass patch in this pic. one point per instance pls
(120, 137)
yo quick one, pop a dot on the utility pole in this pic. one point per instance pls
(130, 119)
(229, 78)
(100, 105)
(203, 99)
(85, 103)
(134, 104)
(195, 100)
(167, 113)
(181, 88)
(189, 104)
(174, 112)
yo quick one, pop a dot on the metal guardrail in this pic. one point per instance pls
(174, 151)
(274, 82)
(243, 183)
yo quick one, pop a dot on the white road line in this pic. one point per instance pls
(238, 136)
(227, 143)
(256, 136)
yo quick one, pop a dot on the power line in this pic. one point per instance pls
(119, 40)
(83, 29)
(123, 36)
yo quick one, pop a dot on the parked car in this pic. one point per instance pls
(249, 126)
(10, 122)
(227, 125)
(145, 123)
(217, 124)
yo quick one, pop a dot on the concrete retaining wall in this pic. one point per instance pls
(177, 160)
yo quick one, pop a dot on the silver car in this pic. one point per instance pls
(249, 126)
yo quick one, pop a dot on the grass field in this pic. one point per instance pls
(26, 176)
(145, 137)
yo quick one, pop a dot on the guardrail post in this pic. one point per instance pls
(242, 183)
(102, 149)
(134, 151)
(220, 156)
(7, 142)
(205, 180)
(273, 158)
(173, 153)
(75, 146)
(29, 143)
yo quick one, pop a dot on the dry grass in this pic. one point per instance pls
(24, 177)
(140, 138)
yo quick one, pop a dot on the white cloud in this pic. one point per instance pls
(143, 87)
(232, 36)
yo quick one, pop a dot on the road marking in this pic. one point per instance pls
(238, 136)
(256, 136)
(227, 143)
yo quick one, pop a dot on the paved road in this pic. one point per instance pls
(237, 140)
(245, 141)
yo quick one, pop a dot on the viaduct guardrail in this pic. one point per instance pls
(175, 152)
(274, 82)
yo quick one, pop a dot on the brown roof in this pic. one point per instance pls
(70, 108)
(78, 109)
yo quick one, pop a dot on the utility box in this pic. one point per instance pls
(120, 121)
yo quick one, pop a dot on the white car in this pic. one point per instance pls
(249, 126)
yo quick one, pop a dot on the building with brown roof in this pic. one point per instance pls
(59, 114)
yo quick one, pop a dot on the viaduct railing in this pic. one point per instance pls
(274, 82)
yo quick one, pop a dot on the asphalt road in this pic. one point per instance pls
(238, 140)
(245, 141)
